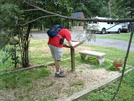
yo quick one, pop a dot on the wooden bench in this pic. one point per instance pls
(100, 56)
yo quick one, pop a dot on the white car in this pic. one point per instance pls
(104, 27)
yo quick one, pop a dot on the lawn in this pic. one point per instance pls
(126, 92)
(40, 54)
(121, 36)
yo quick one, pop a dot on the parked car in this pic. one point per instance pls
(104, 27)
(126, 27)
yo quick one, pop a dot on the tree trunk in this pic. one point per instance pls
(42, 27)
(25, 48)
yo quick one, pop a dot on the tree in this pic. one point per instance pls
(124, 8)
(90, 8)
(17, 23)
(17, 18)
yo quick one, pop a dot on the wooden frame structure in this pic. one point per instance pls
(72, 49)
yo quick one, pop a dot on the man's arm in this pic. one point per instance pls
(69, 44)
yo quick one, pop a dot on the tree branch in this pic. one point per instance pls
(80, 19)
(29, 10)
(37, 19)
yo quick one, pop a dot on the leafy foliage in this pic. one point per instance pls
(90, 8)
(16, 14)
(10, 14)
(4, 39)
(124, 8)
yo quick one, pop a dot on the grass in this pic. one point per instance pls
(126, 92)
(113, 53)
(22, 78)
(122, 36)
(39, 56)
(49, 85)
(25, 79)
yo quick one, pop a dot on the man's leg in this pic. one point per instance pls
(58, 70)
(57, 65)
(57, 55)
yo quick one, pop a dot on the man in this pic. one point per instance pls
(56, 47)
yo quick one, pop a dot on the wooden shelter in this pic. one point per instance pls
(77, 15)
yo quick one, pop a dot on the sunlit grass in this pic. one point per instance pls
(122, 36)
(113, 53)
(38, 56)
(22, 78)
(126, 92)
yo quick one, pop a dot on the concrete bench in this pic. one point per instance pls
(100, 56)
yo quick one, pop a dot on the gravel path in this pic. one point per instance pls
(119, 44)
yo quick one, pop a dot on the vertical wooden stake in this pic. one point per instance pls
(72, 59)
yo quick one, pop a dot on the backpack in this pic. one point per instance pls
(53, 31)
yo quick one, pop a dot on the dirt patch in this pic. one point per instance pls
(76, 81)
(65, 50)
(77, 49)
(56, 89)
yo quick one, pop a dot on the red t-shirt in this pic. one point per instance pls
(64, 33)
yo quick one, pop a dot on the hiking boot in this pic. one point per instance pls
(61, 71)
(59, 75)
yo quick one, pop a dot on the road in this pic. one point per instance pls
(119, 44)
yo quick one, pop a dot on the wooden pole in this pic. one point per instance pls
(72, 59)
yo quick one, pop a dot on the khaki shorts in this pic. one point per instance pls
(56, 52)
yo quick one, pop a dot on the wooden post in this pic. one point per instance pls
(74, 44)
(72, 59)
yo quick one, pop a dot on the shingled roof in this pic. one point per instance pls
(78, 15)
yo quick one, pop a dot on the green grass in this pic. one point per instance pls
(113, 53)
(122, 36)
(49, 85)
(78, 83)
(37, 55)
(126, 92)
(22, 78)
(25, 78)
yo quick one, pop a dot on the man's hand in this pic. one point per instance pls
(67, 45)
(64, 45)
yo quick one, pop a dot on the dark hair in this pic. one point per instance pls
(54, 27)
